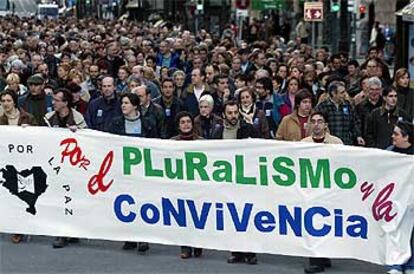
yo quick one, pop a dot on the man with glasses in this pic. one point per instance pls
(318, 130)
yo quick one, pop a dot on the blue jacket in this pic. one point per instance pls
(101, 112)
(174, 62)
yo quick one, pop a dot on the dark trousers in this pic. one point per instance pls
(319, 261)
(243, 254)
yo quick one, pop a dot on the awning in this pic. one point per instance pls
(407, 13)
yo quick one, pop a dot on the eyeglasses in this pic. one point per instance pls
(317, 122)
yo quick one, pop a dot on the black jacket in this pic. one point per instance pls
(148, 127)
(170, 113)
(245, 131)
(380, 125)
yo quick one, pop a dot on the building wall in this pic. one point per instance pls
(385, 11)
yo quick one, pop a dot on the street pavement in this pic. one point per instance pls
(90, 257)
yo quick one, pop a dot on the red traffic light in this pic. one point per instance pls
(242, 4)
(362, 9)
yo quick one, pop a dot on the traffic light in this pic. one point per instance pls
(335, 5)
(362, 11)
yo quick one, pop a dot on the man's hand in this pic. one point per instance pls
(360, 141)
(72, 128)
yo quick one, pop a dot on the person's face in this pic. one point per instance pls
(93, 72)
(239, 83)
(3, 57)
(282, 72)
(113, 51)
(209, 74)
(44, 70)
(65, 59)
(273, 66)
(122, 74)
(62, 73)
(13, 85)
(398, 140)
(231, 114)
(7, 103)
(179, 80)
(351, 70)
(372, 54)
(185, 125)
(137, 72)
(143, 96)
(196, 77)
(164, 73)
(305, 106)
(404, 81)
(293, 87)
(260, 60)
(260, 90)
(36, 89)
(127, 107)
(36, 60)
(236, 64)
(372, 68)
(168, 89)
(197, 63)
(132, 85)
(295, 72)
(364, 85)
(108, 87)
(336, 63)
(391, 99)
(205, 109)
(76, 96)
(223, 84)
(163, 48)
(140, 59)
(16, 69)
(374, 92)
(150, 63)
(203, 55)
(58, 103)
(246, 99)
(317, 125)
(340, 95)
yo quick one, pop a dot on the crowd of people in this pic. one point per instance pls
(131, 78)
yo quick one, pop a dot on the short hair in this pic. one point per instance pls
(333, 87)
(133, 98)
(207, 98)
(353, 63)
(178, 72)
(229, 103)
(67, 95)
(388, 89)
(13, 78)
(302, 95)
(181, 115)
(218, 77)
(266, 82)
(407, 129)
(13, 95)
(147, 91)
(323, 114)
(250, 91)
(167, 80)
(374, 81)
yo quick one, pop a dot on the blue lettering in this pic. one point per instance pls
(339, 223)
(169, 210)
(240, 224)
(264, 221)
(357, 230)
(295, 222)
(310, 228)
(145, 213)
(118, 208)
(199, 222)
(219, 217)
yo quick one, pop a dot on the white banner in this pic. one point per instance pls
(241, 195)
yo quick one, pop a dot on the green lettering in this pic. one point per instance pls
(132, 156)
(198, 165)
(240, 178)
(281, 165)
(338, 176)
(223, 173)
(149, 170)
(307, 173)
(264, 180)
(174, 174)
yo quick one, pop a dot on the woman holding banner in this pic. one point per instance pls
(14, 116)
(403, 142)
(186, 132)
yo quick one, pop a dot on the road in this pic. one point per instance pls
(37, 256)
